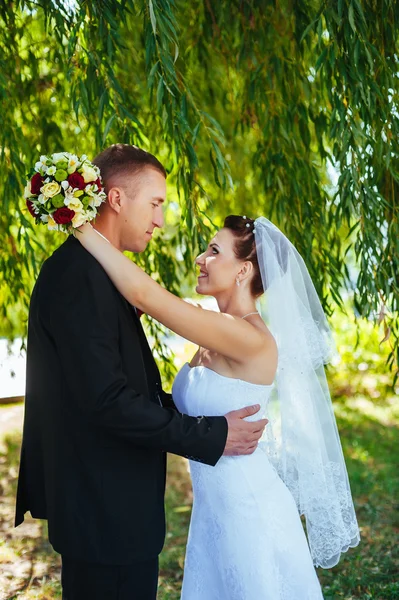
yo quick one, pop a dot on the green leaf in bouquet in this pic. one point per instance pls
(58, 200)
(60, 175)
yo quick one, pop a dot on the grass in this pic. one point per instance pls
(369, 433)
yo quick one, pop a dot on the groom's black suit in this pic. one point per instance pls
(95, 434)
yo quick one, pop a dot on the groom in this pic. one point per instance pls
(97, 422)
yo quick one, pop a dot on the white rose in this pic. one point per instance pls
(88, 174)
(51, 189)
(79, 219)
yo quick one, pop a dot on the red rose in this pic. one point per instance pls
(76, 181)
(98, 183)
(63, 215)
(30, 208)
(36, 183)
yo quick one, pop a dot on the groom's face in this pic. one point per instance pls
(142, 197)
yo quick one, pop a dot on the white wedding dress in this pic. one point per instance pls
(246, 540)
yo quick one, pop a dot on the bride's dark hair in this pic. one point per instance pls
(245, 248)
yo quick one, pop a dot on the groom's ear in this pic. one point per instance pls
(114, 199)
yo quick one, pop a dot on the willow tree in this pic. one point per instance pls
(287, 109)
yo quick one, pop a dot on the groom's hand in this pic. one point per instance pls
(243, 436)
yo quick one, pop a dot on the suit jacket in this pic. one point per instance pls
(95, 435)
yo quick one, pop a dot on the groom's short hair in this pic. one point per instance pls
(125, 160)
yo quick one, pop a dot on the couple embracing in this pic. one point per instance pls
(98, 424)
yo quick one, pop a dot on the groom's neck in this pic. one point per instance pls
(109, 230)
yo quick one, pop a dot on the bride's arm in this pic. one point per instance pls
(230, 336)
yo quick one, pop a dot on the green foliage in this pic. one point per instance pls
(253, 107)
(362, 368)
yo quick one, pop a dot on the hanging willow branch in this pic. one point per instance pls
(296, 102)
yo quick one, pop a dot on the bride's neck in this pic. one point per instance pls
(237, 304)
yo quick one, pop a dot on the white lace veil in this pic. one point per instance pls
(301, 438)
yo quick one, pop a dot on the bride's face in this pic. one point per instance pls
(218, 265)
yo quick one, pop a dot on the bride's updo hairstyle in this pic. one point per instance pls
(245, 248)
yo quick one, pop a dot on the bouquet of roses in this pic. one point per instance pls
(64, 191)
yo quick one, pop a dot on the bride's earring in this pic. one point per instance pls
(237, 282)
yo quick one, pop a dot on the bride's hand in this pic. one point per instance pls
(243, 436)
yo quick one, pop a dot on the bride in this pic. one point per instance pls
(267, 345)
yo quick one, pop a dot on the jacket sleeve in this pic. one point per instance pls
(82, 318)
(167, 401)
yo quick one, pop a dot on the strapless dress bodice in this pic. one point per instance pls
(201, 391)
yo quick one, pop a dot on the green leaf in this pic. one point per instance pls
(101, 105)
(195, 132)
(321, 59)
(152, 17)
(108, 127)
(151, 76)
(308, 29)
(160, 92)
(351, 17)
